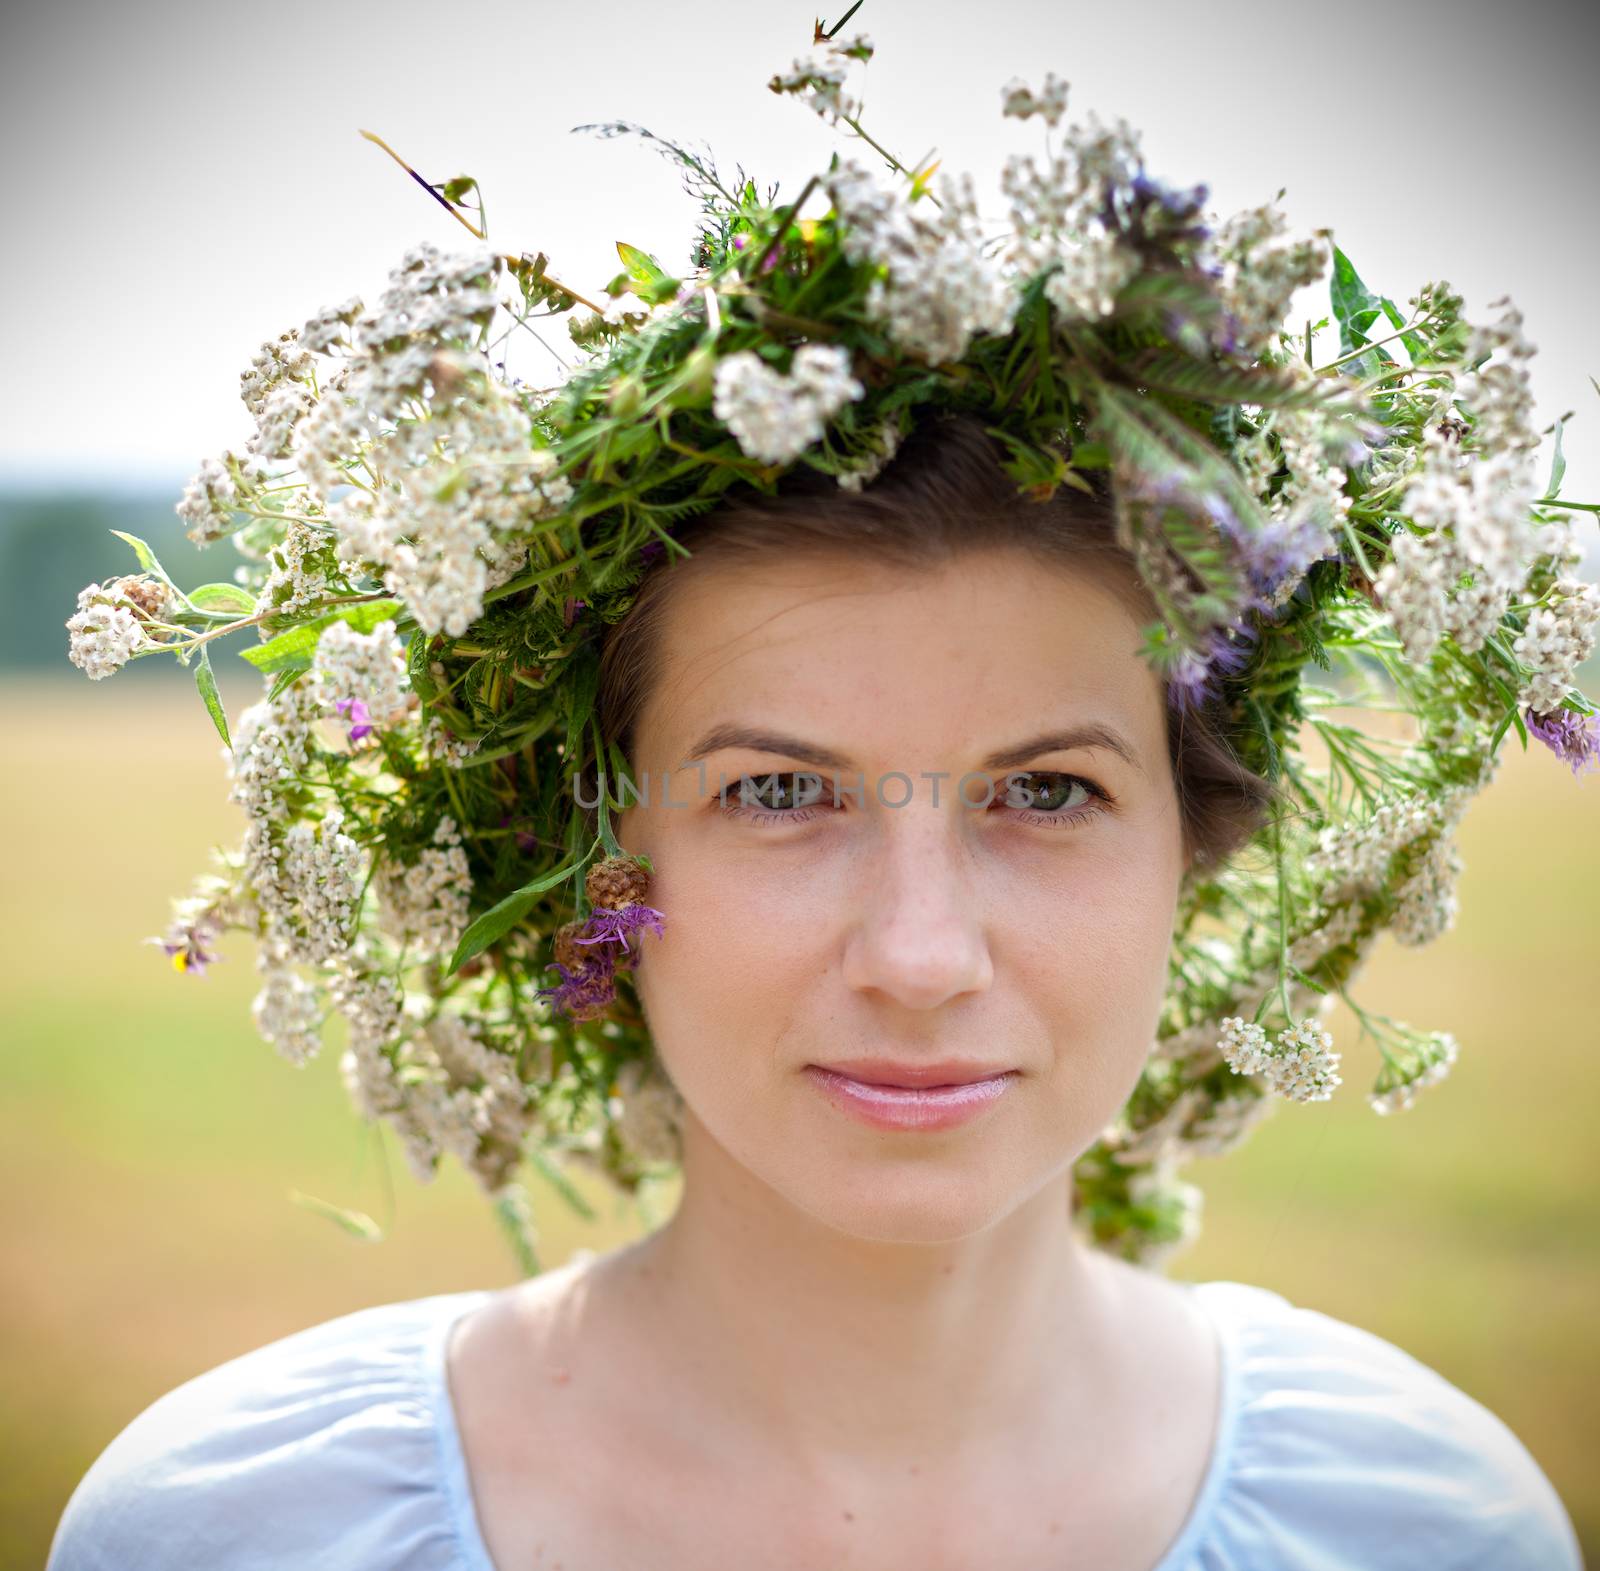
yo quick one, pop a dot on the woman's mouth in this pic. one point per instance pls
(919, 1102)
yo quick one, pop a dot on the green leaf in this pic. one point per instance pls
(585, 684)
(499, 919)
(206, 680)
(232, 598)
(1355, 307)
(642, 267)
(511, 1212)
(1216, 383)
(285, 678)
(147, 557)
(1414, 345)
(1558, 465)
(455, 189)
(356, 1223)
(293, 650)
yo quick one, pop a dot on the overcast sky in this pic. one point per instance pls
(187, 179)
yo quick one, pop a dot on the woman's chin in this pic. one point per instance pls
(894, 1203)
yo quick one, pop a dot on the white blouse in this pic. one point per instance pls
(336, 1447)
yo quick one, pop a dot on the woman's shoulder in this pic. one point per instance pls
(322, 1448)
(1340, 1447)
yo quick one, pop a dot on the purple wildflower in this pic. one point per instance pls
(1193, 678)
(187, 950)
(1275, 556)
(355, 709)
(569, 613)
(1573, 738)
(526, 841)
(612, 927)
(583, 993)
(651, 551)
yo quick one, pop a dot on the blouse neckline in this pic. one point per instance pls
(475, 1552)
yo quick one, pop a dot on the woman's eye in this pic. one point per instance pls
(1048, 797)
(774, 797)
(796, 796)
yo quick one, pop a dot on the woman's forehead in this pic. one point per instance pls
(983, 648)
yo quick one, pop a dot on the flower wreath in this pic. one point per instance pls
(432, 548)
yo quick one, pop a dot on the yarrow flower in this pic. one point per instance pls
(938, 287)
(818, 78)
(110, 625)
(1399, 1083)
(1050, 103)
(775, 417)
(1299, 1065)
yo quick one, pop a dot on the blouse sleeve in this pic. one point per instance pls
(1348, 1452)
(317, 1450)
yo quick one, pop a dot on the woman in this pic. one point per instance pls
(922, 815)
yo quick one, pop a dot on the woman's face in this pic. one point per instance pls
(930, 914)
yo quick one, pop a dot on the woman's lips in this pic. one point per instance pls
(907, 1107)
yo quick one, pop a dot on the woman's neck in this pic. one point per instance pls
(832, 1350)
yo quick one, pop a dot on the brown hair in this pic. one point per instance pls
(944, 494)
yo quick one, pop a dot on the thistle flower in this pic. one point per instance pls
(584, 993)
(612, 927)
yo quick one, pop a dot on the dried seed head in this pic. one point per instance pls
(616, 883)
(567, 952)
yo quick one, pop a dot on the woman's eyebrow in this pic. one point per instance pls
(1090, 734)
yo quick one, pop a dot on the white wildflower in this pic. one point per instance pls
(330, 325)
(1225, 1124)
(349, 665)
(444, 745)
(818, 78)
(272, 745)
(1243, 1044)
(649, 1111)
(372, 1006)
(426, 904)
(1303, 1065)
(775, 417)
(1261, 268)
(940, 288)
(109, 626)
(1019, 101)
(300, 575)
(1434, 1063)
(309, 883)
(624, 308)
(288, 1011)
(224, 487)
(1354, 857)
(1086, 282)
(281, 360)
(452, 486)
(863, 471)
(1558, 638)
(1499, 396)
(1427, 902)
(281, 411)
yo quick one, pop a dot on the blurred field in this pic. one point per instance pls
(149, 1139)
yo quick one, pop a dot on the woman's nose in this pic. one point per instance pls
(916, 933)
